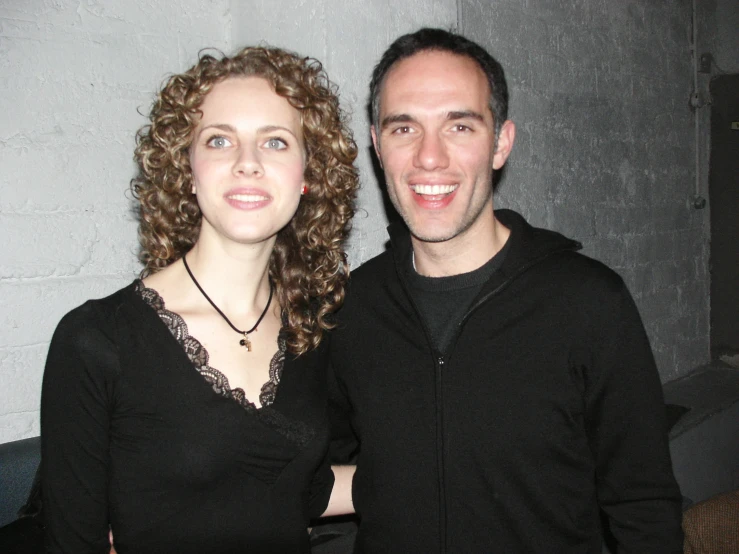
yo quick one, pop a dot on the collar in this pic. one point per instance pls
(528, 244)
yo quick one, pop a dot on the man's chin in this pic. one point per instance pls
(432, 237)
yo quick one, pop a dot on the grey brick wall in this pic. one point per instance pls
(605, 147)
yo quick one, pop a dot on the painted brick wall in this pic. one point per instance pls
(605, 147)
(604, 152)
(721, 35)
(72, 76)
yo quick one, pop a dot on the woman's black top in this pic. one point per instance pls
(140, 434)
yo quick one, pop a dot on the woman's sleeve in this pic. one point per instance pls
(76, 402)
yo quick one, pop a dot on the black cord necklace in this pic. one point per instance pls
(245, 341)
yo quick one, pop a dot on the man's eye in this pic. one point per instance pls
(461, 128)
(218, 142)
(276, 144)
(402, 130)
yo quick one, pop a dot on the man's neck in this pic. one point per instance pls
(462, 254)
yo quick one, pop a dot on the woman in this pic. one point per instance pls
(186, 412)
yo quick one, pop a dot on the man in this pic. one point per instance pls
(499, 385)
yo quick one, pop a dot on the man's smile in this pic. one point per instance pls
(434, 190)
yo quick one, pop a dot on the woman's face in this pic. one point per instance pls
(248, 159)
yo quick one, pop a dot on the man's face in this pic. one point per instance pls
(435, 141)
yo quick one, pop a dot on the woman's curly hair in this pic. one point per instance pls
(308, 264)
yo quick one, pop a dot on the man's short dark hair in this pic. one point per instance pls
(439, 40)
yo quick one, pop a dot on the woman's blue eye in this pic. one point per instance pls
(218, 142)
(276, 143)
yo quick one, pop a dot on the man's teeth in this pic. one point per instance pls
(433, 190)
(248, 197)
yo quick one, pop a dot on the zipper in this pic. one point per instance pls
(439, 363)
(438, 410)
(440, 452)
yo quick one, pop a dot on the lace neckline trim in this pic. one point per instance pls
(198, 355)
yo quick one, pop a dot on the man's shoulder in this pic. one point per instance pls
(374, 269)
(546, 250)
(582, 265)
(368, 286)
(583, 277)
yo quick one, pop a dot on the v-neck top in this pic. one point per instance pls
(134, 437)
(198, 354)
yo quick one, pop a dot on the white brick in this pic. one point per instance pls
(21, 371)
(30, 310)
(17, 426)
(47, 245)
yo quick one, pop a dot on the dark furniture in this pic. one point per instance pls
(18, 463)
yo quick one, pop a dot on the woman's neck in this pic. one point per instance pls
(236, 279)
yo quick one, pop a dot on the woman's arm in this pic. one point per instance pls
(75, 431)
(341, 495)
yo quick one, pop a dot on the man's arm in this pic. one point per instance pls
(625, 420)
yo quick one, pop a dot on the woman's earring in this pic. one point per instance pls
(304, 190)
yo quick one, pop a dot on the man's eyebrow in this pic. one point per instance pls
(464, 114)
(450, 116)
(398, 118)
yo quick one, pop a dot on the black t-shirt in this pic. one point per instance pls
(443, 301)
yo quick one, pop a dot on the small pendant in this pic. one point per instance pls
(246, 342)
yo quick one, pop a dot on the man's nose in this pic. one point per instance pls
(432, 153)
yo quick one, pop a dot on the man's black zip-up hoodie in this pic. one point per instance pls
(545, 409)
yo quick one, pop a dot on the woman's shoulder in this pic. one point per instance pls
(99, 314)
(86, 340)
